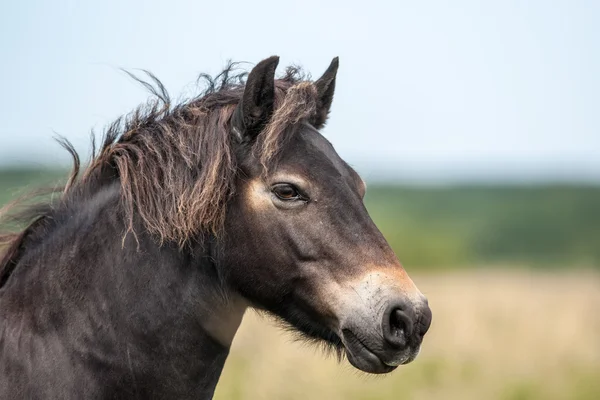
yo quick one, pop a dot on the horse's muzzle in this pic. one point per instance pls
(380, 343)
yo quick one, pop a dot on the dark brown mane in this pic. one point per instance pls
(174, 162)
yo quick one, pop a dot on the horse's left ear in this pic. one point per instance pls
(256, 106)
(325, 88)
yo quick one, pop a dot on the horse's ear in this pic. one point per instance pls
(256, 107)
(325, 88)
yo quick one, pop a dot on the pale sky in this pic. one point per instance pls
(427, 90)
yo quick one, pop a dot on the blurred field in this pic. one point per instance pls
(513, 335)
(513, 278)
(543, 226)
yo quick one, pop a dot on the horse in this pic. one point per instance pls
(132, 279)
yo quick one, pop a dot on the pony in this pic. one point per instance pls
(131, 281)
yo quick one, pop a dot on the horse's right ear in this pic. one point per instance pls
(256, 107)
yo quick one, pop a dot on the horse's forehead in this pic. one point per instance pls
(312, 152)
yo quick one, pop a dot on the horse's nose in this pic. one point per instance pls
(424, 320)
(378, 339)
(405, 323)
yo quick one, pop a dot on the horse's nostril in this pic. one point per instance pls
(398, 324)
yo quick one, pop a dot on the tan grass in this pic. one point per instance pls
(495, 335)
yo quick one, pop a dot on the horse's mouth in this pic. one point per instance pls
(361, 357)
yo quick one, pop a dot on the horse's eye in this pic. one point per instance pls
(285, 191)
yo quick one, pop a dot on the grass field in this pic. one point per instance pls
(513, 335)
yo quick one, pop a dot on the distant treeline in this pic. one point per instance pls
(445, 227)
(538, 226)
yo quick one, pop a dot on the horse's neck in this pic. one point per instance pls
(150, 316)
